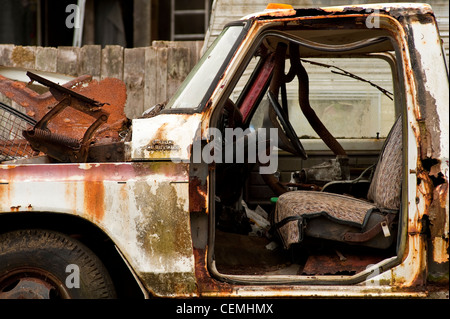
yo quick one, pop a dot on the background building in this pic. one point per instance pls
(121, 22)
(122, 39)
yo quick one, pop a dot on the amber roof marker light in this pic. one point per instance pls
(279, 6)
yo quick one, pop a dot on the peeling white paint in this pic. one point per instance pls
(180, 129)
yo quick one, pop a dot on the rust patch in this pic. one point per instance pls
(440, 250)
(91, 172)
(205, 282)
(197, 195)
(157, 138)
(112, 92)
(94, 194)
(338, 264)
(15, 208)
(70, 122)
(160, 134)
(21, 55)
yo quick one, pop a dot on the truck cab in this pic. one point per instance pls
(306, 154)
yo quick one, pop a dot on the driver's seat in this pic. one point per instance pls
(301, 214)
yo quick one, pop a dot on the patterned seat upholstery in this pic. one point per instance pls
(338, 217)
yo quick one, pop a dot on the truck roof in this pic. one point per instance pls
(394, 9)
(225, 11)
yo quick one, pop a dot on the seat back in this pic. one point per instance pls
(385, 188)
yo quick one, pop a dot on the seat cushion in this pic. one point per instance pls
(293, 209)
(385, 188)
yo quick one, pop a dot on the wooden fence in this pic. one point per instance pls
(151, 74)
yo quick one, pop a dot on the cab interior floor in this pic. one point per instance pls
(237, 254)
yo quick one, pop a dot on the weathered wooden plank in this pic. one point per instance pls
(178, 67)
(185, 55)
(151, 82)
(112, 62)
(161, 74)
(5, 54)
(195, 48)
(198, 53)
(23, 57)
(46, 59)
(151, 74)
(67, 60)
(134, 76)
(91, 61)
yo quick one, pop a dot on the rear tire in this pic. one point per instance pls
(44, 264)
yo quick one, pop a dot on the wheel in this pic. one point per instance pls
(43, 264)
(290, 132)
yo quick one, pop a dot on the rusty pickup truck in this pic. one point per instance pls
(305, 155)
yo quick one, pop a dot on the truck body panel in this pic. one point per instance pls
(161, 209)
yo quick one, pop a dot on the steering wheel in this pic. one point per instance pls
(289, 130)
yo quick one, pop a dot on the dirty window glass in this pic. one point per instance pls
(348, 107)
(194, 88)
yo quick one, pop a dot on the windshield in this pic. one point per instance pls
(194, 88)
